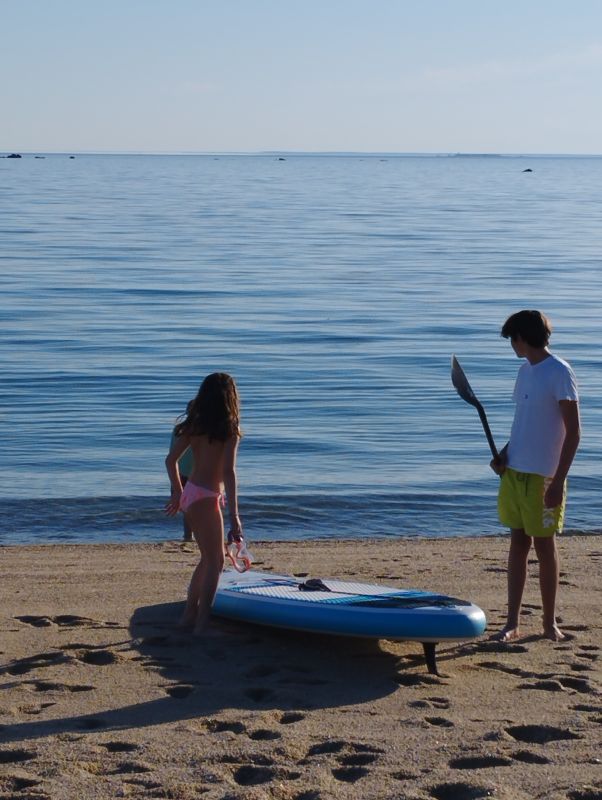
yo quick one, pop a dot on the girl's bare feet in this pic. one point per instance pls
(507, 635)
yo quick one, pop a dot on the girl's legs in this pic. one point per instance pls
(549, 572)
(205, 519)
(188, 535)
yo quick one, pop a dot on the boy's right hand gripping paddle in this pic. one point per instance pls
(460, 381)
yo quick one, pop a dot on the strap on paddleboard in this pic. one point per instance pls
(314, 585)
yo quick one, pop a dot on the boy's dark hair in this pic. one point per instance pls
(532, 326)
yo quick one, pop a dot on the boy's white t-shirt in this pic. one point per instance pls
(538, 429)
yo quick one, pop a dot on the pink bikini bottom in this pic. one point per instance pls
(192, 493)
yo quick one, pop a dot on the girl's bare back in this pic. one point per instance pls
(209, 458)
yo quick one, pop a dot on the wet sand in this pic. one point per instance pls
(102, 698)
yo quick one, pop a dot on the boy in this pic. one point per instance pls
(534, 465)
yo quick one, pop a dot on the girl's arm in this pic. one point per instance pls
(171, 464)
(230, 452)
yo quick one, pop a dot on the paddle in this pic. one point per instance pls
(460, 381)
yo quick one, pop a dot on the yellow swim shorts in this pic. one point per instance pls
(520, 504)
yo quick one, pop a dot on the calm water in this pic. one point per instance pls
(334, 289)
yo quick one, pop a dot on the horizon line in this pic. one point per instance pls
(375, 153)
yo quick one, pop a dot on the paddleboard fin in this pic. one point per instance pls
(430, 657)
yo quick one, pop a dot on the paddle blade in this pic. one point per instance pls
(460, 381)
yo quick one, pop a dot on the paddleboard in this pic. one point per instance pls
(347, 608)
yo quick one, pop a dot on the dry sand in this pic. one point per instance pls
(101, 698)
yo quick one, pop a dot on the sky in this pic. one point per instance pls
(428, 76)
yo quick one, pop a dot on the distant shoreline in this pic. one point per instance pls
(295, 154)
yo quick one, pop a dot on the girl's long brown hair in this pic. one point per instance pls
(214, 412)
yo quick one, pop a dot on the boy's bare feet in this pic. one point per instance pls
(554, 633)
(506, 635)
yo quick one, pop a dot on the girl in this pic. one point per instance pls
(211, 428)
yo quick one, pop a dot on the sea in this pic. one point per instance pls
(333, 287)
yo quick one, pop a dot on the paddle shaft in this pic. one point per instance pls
(487, 429)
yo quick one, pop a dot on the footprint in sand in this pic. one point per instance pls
(460, 791)
(20, 782)
(145, 783)
(581, 685)
(120, 747)
(252, 775)
(545, 686)
(540, 734)
(16, 756)
(33, 709)
(420, 704)
(577, 666)
(358, 759)
(350, 774)
(290, 717)
(412, 679)
(439, 702)
(36, 622)
(130, 767)
(54, 686)
(521, 673)
(326, 748)
(99, 658)
(440, 722)
(404, 775)
(264, 735)
(22, 666)
(589, 652)
(261, 671)
(259, 693)
(62, 620)
(528, 757)
(219, 726)
(180, 691)
(500, 647)
(479, 762)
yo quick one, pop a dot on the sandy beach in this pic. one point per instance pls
(102, 698)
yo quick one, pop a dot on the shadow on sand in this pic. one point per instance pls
(239, 668)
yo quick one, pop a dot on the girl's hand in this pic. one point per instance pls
(235, 528)
(173, 505)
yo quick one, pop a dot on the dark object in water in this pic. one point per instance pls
(528, 170)
(14, 155)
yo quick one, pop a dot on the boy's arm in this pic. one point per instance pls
(572, 427)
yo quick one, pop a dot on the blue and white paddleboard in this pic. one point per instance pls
(346, 608)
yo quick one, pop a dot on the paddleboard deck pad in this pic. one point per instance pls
(347, 608)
